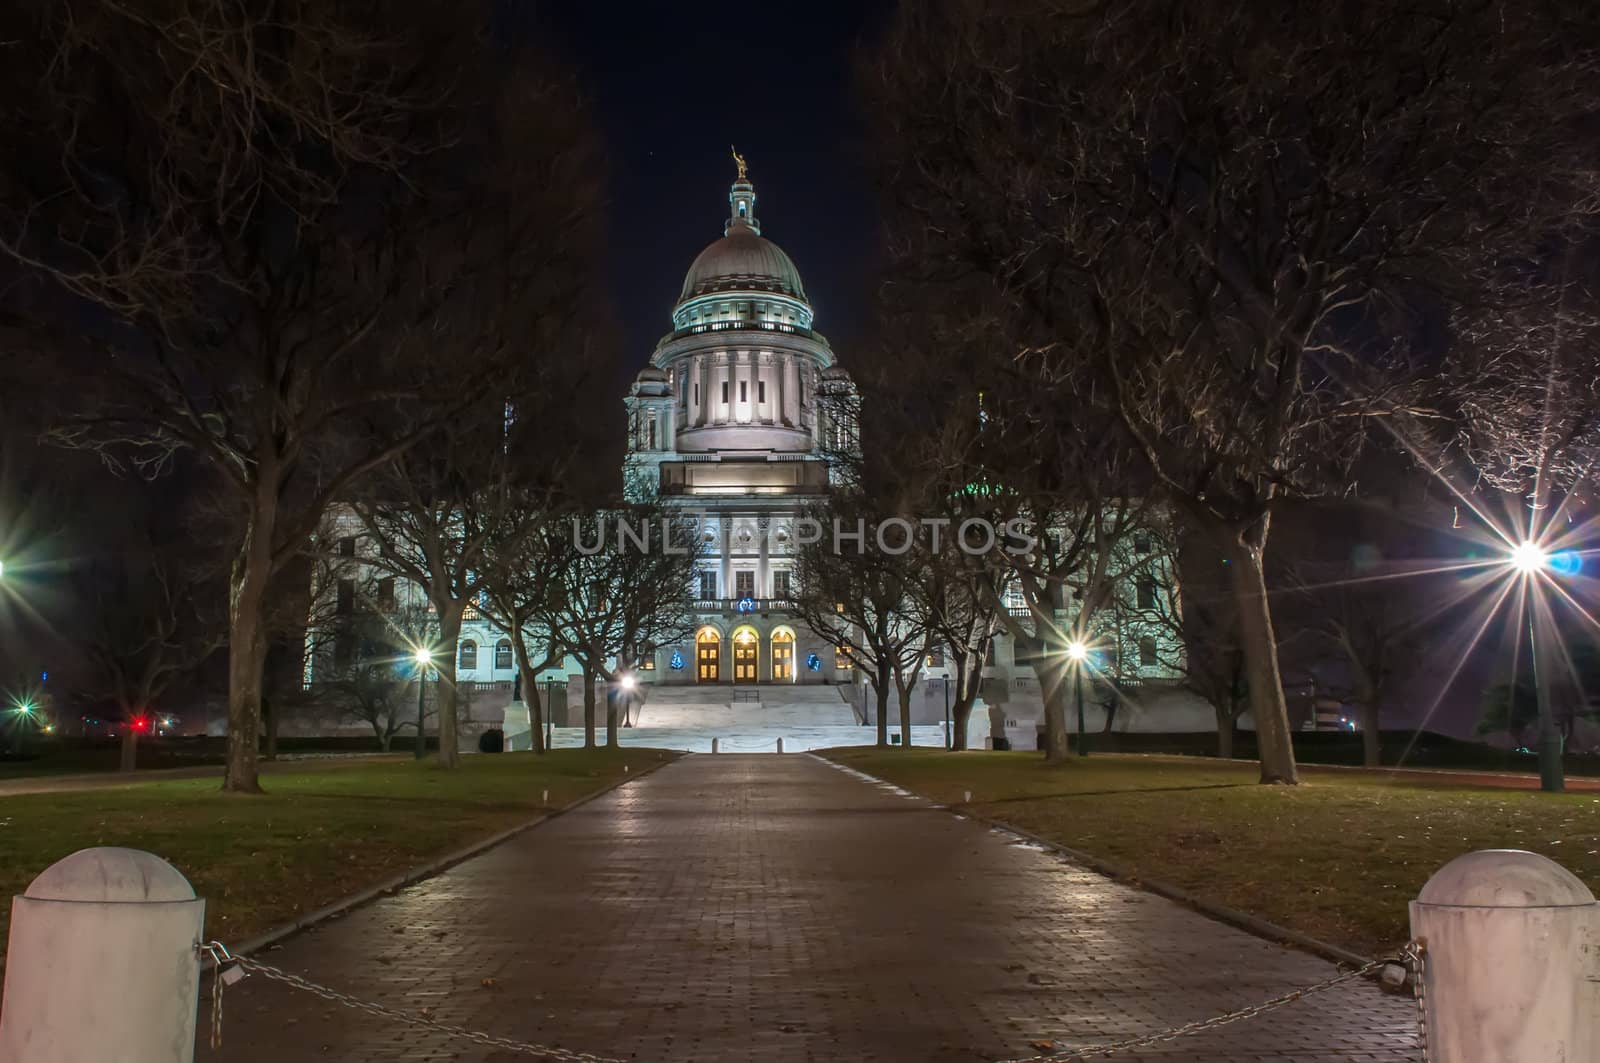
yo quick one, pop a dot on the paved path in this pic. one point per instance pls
(778, 908)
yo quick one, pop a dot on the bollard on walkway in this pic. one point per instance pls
(780, 745)
(1512, 960)
(120, 926)
(714, 745)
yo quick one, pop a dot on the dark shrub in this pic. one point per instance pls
(492, 741)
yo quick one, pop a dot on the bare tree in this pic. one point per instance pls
(1233, 221)
(142, 626)
(370, 670)
(259, 203)
(624, 589)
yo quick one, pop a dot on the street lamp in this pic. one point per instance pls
(1078, 654)
(1530, 560)
(424, 658)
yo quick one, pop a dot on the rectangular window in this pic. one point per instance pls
(697, 394)
(648, 664)
(724, 392)
(936, 657)
(708, 584)
(347, 597)
(1141, 544)
(780, 583)
(386, 594)
(1147, 593)
(744, 391)
(344, 648)
(1147, 651)
(744, 584)
(761, 391)
(841, 659)
(347, 546)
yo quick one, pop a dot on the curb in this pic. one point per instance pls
(417, 874)
(1117, 873)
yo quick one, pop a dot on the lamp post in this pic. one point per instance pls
(1531, 560)
(949, 735)
(1078, 654)
(549, 723)
(424, 659)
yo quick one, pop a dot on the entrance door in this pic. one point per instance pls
(746, 654)
(782, 656)
(708, 657)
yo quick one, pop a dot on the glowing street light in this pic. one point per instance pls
(1528, 558)
(1077, 651)
(424, 656)
(628, 682)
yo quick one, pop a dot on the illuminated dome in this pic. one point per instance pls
(743, 261)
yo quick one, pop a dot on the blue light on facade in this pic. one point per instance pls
(747, 604)
(676, 664)
(814, 662)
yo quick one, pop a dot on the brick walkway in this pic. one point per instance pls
(777, 908)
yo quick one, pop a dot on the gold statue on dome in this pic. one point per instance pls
(738, 160)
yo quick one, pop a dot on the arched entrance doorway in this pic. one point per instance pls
(746, 655)
(708, 655)
(782, 655)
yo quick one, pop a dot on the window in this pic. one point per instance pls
(724, 392)
(1147, 593)
(744, 582)
(1147, 650)
(468, 659)
(936, 657)
(648, 663)
(708, 584)
(344, 648)
(502, 654)
(347, 546)
(347, 597)
(780, 583)
(744, 391)
(761, 391)
(1141, 544)
(652, 423)
(697, 394)
(841, 659)
(386, 594)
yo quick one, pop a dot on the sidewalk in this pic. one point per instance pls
(777, 908)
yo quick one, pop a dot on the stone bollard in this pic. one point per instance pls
(780, 745)
(1512, 959)
(714, 745)
(102, 962)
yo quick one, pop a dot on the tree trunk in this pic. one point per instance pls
(445, 702)
(1265, 684)
(530, 690)
(129, 758)
(1052, 684)
(384, 737)
(613, 697)
(1225, 718)
(1371, 751)
(960, 714)
(588, 707)
(903, 694)
(880, 691)
(247, 643)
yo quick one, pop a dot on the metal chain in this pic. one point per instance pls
(222, 956)
(1416, 956)
(1109, 1048)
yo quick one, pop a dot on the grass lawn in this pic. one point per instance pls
(1337, 857)
(315, 837)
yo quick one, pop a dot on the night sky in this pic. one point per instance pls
(671, 87)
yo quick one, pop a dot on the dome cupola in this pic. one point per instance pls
(743, 260)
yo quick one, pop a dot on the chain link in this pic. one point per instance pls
(220, 954)
(1410, 958)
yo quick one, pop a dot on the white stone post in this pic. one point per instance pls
(1512, 957)
(102, 963)
(714, 745)
(780, 744)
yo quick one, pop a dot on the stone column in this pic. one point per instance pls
(783, 376)
(763, 526)
(725, 587)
